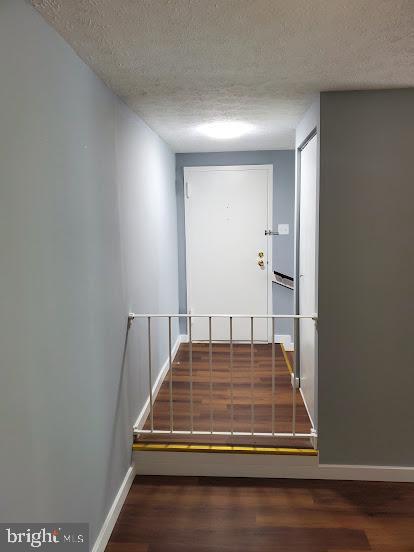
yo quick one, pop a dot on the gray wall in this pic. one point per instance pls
(146, 176)
(366, 285)
(74, 162)
(283, 212)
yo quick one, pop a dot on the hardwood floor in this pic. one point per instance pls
(221, 396)
(176, 514)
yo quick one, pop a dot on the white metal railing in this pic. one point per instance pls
(191, 431)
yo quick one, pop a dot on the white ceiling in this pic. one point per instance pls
(180, 63)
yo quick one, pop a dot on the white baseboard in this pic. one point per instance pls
(109, 523)
(261, 465)
(306, 406)
(223, 464)
(286, 339)
(143, 415)
(404, 474)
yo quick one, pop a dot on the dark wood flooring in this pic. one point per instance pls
(221, 396)
(176, 514)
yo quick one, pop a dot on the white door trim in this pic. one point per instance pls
(266, 225)
(307, 281)
(313, 133)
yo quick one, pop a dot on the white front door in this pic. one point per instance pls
(227, 211)
(307, 271)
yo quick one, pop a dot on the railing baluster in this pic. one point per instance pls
(210, 365)
(171, 375)
(252, 374)
(296, 339)
(150, 374)
(273, 377)
(191, 374)
(296, 325)
(294, 406)
(232, 432)
(231, 377)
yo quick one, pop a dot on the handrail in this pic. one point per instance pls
(192, 430)
(133, 315)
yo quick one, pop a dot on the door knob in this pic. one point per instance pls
(260, 262)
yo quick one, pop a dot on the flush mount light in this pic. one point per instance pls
(225, 130)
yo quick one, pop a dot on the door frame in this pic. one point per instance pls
(266, 225)
(314, 132)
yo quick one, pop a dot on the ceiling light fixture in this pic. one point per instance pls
(225, 130)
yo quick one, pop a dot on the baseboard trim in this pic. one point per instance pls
(224, 464)
(143, 415)
(109, 523)
(261, 465)
(367, 473)
(306, 406)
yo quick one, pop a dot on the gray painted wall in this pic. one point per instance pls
(146, 176)
(283, 212)
(366, 285)
(74, 163)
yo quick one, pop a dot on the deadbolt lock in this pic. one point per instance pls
(261, 254)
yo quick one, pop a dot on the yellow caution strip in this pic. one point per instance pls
(286, 357)
(235, 449)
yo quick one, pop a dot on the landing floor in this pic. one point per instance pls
(249, 387)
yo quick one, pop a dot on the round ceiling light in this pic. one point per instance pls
(225, 130)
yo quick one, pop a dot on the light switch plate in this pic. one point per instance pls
(283, 229)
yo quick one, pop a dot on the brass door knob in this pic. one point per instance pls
(260, 262)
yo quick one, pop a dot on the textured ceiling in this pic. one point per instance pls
(180, 63)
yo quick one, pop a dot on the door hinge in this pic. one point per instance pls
(187, 190)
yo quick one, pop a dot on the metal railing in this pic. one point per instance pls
(231, 432)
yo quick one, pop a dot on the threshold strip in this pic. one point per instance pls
(235, 449)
